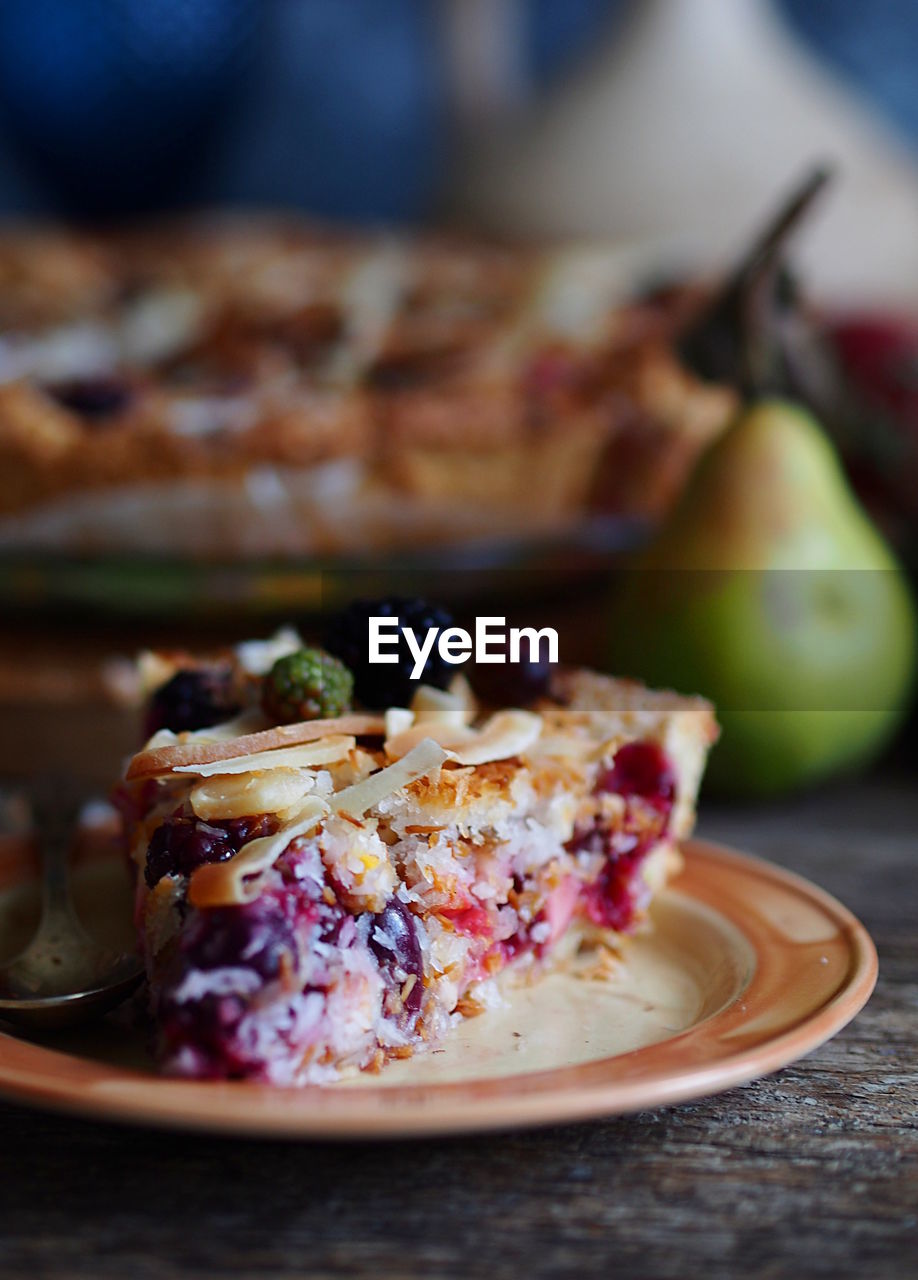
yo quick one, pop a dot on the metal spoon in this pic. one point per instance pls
(64, 976)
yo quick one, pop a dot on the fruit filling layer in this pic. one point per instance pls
(322, 895)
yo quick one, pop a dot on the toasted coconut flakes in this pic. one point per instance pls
(469, 1007)
(423, 759)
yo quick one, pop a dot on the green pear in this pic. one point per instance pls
(770, 592)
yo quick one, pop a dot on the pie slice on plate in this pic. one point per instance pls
(318, 897)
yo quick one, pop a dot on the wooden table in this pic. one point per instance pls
(813, 1172)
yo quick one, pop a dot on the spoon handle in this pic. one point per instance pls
(55, 876)
(54, 815)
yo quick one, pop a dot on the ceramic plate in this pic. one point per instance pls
(744, 969)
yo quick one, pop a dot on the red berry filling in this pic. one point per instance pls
(471, 920)
(643, 776)
(641, 769)
(273, 940)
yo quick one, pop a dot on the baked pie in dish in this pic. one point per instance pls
(244, 386)
(318, 895)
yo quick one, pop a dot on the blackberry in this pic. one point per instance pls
(307, 685)
(193, 699)
(388, 684)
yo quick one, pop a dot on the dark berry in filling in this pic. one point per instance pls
(180, 845)
(242, 830)
(381, 685)
(207, 1029)
(255, 935)
(394, 942)
(93, 398)
(193, 699)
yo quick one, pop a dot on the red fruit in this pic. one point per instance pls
(879, 354)
(641, 773)
(641, 769)
(471, 920)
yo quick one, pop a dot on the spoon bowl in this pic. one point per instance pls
(64, 976)
(70, 1009)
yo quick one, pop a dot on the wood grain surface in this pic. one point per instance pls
(813, 1172)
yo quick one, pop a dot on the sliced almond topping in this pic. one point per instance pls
(450, 737)
(325, 751)
(398, 719)
(452, 717)
(239, 794)
(505, 734)
(424, 758)
(153, 763)
(453, 706)
(247, 722)
(224, 884)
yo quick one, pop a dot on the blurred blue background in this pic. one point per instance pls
(109, 106)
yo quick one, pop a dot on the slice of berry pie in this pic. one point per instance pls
(322, 888)
(256, 385)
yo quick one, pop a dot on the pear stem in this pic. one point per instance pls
(729, 341)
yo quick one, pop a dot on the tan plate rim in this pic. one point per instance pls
(717, 1053)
